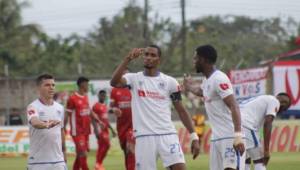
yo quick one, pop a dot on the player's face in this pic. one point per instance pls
(84, 86)
(151, 58)
(198, 63)
(284, 103)
(101, 97)
(47, 88)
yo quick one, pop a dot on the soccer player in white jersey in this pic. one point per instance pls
(258, 112)
(153, 92)
(46, 134)
(227, 146)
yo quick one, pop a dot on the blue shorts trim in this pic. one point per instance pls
(39, 163)
(156, 135)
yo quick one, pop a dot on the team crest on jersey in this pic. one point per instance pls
(161, 85)
(79, 102)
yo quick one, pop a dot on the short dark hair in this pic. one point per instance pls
(208, 52)
(102, 92)
(287, 95)
(81, 80)
(42, 77)
(157, 47)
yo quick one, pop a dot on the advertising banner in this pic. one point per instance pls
(287, 79)
(285, 138)
(249, 82)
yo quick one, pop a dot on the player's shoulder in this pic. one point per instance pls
(58, 105)
(34, 104)
(167, 77)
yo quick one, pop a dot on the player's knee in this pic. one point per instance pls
(248, 161)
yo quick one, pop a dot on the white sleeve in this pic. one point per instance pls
(223, 86)
(129, 77)
(272, 107)
(173, 85)
(31, 112)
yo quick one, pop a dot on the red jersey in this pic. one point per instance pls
(101, 110)
(121, 98)
(78, 106)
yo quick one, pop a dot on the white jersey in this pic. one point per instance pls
(255, 109)
(215, 89)
(151, 103)
(45, 144)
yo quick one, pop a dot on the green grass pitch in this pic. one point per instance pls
(114, 161)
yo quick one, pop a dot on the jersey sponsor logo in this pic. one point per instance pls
(141, 93)
(224, 86)
(150, 94)
(42, 113)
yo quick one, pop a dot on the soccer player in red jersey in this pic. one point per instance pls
(78, 111)
(100, 112)
(121, 106)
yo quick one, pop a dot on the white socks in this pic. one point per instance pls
(247, 166)
(259, 166)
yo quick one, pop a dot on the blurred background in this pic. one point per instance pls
(258, 43)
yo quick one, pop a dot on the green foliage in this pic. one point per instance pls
(241, 42)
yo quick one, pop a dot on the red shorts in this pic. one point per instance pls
(81, 143)
(126, 138)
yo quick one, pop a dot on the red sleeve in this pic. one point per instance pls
(113, 98)
(70, 105)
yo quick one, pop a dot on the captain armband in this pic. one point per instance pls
(176, 96)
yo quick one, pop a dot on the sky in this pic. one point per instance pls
(65, 17)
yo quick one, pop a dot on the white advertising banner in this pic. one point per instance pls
(287, 79)
(249, 82)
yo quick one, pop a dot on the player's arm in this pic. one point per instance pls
(96, 130)
(236, 118)
(38, 124)
(117, 79)
(187, 122)
(66, 118)
(188, 85)
(267, 137)
(63, 144)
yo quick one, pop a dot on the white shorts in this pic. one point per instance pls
(253, 145)
(57, 166)
(147, 149)
(223, 155)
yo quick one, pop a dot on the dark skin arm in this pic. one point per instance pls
(117, 80)
(236, 118)
(267, 137)
(187, 122)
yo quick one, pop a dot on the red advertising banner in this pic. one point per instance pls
(287, 79)
(249, 82)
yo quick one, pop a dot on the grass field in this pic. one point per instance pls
(114, 161)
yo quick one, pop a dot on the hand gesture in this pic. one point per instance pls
(117, 112)
(187, 81)
(195, 148)
(52, 123)
(134, 53)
